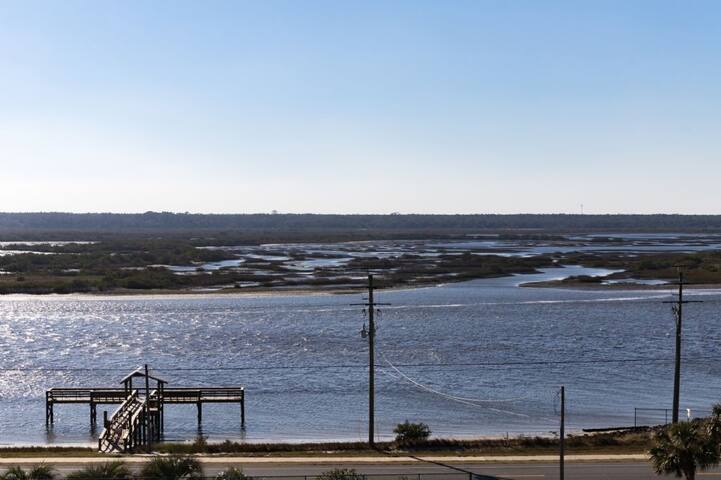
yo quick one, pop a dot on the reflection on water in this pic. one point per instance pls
(505, 350)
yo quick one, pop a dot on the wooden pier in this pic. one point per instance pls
(139, 420)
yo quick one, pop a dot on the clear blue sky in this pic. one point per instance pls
(361, 107)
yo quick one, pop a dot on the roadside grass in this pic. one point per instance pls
(616, 442)
(40, 451)
(637, 441)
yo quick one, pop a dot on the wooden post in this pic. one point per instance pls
(677, 359)
(371, 304)
(93, 413)
(200, 413)
(242, 411)
(563, 432)
(48, 409)
(678, 312)
(162, 407)
(131, 437)
(371, 363)
(146, 420)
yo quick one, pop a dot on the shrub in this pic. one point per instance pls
(172, 468)
(15, 473)
(103, 471)
(38, 472)
(408, 433)
(42, 472)
(232, 474)
(340, 474)
(200, 445)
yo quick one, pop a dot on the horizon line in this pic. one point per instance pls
(391, 214)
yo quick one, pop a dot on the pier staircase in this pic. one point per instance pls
(126, 428)
(139, 420)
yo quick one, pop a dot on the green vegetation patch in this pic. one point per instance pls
(698, 268)
(631, 441)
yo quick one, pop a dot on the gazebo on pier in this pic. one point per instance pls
(139, 420)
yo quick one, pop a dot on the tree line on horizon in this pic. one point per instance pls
(168, 221)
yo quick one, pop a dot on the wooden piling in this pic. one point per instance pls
(147, 425)
(242, 411)
(49, 413)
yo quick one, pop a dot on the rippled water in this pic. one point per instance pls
(491, 322)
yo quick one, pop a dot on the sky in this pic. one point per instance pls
(482, 106)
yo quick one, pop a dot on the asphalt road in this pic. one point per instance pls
(518, 471)
(585, 471)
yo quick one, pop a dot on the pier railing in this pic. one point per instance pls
(123, 428)
(212, 394)
(139, 420)
(87, 395)
(170, 395)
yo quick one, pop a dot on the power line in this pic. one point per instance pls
(364, 366)
(473, 402)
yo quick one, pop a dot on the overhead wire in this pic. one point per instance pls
(532, 363)
(464, 400)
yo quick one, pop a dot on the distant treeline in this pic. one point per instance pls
(184, 222)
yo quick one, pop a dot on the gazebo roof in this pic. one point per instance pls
(140, 372)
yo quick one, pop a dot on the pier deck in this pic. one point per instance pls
(170, 396)
(139, 419)
(178, 395)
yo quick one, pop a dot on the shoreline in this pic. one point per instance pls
(353, 442)
(633, 441)
(562, 285)
(190, 294)
(241, 292)
(314, 291)
(331, 459)
(386, 439)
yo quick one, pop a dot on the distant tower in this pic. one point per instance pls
(581, 209)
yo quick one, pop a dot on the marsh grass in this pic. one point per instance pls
(634, 441)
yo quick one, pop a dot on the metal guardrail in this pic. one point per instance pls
(359, 476)
(663, 415)
(380, 476)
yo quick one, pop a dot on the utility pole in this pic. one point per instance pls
(371, 335)
(678, 313)
(562, 452)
